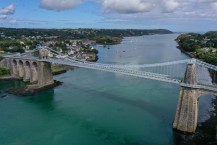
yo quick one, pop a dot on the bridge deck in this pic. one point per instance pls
(125, 69)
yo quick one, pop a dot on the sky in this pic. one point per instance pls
(175, 15)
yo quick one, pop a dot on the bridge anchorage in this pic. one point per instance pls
(194, 76)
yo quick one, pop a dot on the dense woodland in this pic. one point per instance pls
(202, 46)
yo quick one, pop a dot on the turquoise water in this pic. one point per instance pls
(98, 108)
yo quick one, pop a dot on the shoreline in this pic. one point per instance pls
(29, 90)
(8, 78)
(187, 53)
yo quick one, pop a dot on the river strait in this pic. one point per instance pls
(99, 108)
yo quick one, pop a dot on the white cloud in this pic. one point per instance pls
(139, 6)
(207, 1)
(174, 8)
(10, 9)
(170, 6)
(12, 21)
(3, 16)
(59, 4)
(214, 6)
(159, 8)
(127, 6)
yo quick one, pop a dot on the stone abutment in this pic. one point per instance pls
(35, 72)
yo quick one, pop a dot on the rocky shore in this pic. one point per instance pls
(190, 54)
(204, 135)
(28, 90)
(59, 69)
(8, 78)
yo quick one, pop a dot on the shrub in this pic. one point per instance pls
(4, 71)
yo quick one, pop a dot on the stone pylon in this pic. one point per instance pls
(187, 108)
(45, 76)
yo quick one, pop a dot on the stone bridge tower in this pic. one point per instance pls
(187, 107)
(44, 69)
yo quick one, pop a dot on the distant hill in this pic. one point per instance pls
(80, 33)
(17, 40)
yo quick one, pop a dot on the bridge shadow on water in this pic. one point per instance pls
(5, 85)
(140, 104)
(44, 99)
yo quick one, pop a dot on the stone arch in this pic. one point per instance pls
(27, 71)
(14, 61)
(187, 109)
(20, 69)
(201, 93)
(34, 72)
(14, 68)
(205, 97)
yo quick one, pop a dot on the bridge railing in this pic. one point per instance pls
(175, 69)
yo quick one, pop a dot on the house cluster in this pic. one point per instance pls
(209, 49)
(79, 49)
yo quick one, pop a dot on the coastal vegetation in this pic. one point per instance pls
(201, 46)
(58, 69)
(4, 72)
(107, 40)
(11, 46)
(102, 36)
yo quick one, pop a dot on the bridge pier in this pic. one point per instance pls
(14, 68)
(27, 72)
(187, 108)
(20, 68)
(34, 73)
(45, 74)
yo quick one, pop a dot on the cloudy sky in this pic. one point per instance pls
(176, 15)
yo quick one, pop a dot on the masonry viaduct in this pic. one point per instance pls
(37, 72)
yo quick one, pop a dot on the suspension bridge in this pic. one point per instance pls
(194, 76)
(171, 72)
